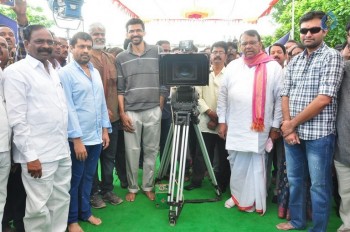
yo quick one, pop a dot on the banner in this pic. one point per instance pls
(4, 20)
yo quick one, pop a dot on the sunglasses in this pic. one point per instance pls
(312, 30)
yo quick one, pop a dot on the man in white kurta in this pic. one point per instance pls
(5, 159)
(37, 113)
(246, 147)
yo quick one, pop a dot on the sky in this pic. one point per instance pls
(114, 19)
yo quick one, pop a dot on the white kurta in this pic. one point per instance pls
(246, 147)
(235, 105)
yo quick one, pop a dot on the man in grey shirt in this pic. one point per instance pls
(140, 100)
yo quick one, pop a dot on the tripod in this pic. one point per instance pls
(177, 142)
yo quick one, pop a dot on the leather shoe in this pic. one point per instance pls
(191, 187)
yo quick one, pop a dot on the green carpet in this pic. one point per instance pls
(142, 215)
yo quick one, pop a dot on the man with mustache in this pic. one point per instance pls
(56, 52)
(88, 126)
(4, 53)
(37, 113)
(249, 111)
(16, 51)
(279, 53)
(9, 35)
(105, 64)
(62, 59)
(208, 121)
(140, 101)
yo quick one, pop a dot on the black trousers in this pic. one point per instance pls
(16, 200)
(212, 142)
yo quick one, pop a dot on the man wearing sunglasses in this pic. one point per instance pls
(309, 104)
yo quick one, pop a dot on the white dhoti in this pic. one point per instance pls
(248, 181)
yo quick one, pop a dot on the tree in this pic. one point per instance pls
(267, 40)
(340, 8)
(35, 15)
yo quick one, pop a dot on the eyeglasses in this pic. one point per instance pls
(252, 43)
(218, 52)
(312, 30)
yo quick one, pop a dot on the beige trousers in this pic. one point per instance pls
(147, 126)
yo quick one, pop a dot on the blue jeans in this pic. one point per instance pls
(314, 157)
(82, 176)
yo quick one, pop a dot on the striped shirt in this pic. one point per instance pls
(306, 78)
(138, 78)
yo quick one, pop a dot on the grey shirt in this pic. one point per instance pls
(342, 148)
(138, 78)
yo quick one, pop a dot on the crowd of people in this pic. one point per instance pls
(284, 106)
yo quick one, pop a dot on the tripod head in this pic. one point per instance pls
(184, 100)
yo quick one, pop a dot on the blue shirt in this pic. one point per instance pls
(87, 110)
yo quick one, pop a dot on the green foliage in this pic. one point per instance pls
(283, 15)
(267, 40)
(35, 15)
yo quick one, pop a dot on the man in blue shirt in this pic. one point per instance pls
(88, 126)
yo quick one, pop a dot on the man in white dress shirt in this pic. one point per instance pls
(249, 110)
(38, 116)
(5, 159)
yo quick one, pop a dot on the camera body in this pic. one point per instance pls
(184, 69)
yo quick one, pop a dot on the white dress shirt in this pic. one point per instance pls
(37, 111)
(5, 131)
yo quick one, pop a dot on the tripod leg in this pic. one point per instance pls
(164, 163)
(206, 159)
(174, 153)
(172, 180)
(181, 174)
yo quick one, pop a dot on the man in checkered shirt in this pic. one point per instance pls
(309, 109)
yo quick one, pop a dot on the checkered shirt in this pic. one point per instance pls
(307, 77)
